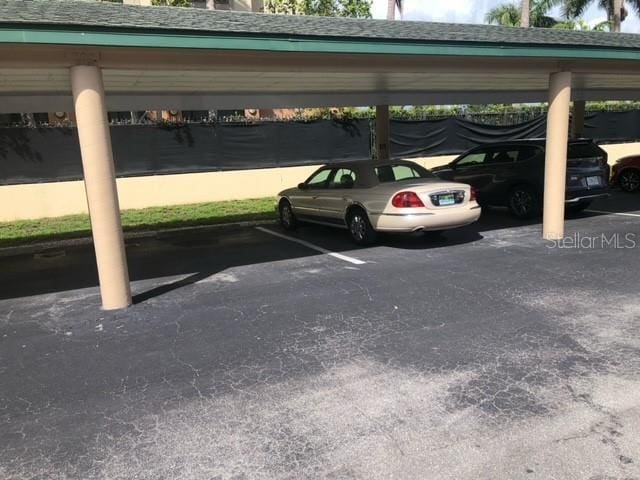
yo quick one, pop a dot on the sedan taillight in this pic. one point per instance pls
(473, 195)
(406, 200)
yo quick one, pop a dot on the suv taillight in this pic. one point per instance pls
(406, 200)
(473, 195)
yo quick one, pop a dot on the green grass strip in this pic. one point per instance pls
(74, 226)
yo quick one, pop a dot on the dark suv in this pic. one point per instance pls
(511, 174)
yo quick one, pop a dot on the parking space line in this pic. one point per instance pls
(312, 246)
(614, 213)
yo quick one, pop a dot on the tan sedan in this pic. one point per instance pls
(368, 197)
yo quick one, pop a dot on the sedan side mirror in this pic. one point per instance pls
(302, 186)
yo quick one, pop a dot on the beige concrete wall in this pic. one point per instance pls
(620, 150)
(146, 3)
(66, 198)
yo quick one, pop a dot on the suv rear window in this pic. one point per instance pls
(401, 171)
(584, 150)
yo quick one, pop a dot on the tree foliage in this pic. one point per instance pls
(328, 8)
(575, 8)
(490, 113)
(581, 25)
(508, 14)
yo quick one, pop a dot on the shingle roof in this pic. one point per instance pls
(110, 16)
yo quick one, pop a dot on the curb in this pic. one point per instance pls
(33, 248)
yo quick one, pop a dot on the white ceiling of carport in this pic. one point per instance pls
(37, 79)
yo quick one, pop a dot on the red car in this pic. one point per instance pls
(626, 173)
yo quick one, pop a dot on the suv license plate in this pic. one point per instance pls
(593, 181)
(445, 200)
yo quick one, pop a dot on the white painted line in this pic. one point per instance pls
(317, 248)
(614, 213)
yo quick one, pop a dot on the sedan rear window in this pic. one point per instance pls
(343, 178)
(401, 171)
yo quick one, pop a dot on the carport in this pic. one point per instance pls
(95, 57)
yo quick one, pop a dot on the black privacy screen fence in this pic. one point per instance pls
(32, 155)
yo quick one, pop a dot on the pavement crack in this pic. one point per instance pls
(607, 430)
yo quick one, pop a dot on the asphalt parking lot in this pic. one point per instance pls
(484, 353)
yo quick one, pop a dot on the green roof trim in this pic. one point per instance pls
(308, 45)
(98, 24)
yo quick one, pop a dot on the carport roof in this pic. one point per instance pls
(105, 23)
(194, 59)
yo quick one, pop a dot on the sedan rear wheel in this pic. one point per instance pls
(360, 229)
(523, 202)
(630, 180)
(287, 219)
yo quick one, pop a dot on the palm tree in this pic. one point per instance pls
(391, 9)
(616, 11)
(525, 13)
(510, 14)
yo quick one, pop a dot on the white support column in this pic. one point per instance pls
(555, 172)
(383, 150)
(100, 184)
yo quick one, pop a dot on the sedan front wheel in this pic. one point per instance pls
(287, 219)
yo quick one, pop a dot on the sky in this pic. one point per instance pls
(473, 11)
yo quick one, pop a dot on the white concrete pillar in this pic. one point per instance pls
(555, 172)
(577, 119)
(100, 184)
(383, 147)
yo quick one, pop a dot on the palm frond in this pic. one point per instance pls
(602, 27)
(635, 5)
(540, 13)
(543, 21)
(575, 8)
(541, 7)
(507, 15)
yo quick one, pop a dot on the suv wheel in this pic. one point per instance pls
(523, 202)
(629, 180)
(360, 229)
(287, 219)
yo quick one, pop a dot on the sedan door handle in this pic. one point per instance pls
(314, 198)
